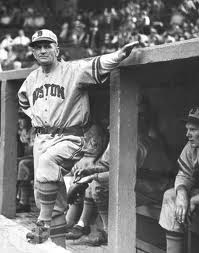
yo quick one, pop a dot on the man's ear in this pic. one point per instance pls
(33, 52)
(57, 51)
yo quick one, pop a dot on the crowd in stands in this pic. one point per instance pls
(153, 22)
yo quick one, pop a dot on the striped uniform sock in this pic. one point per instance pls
(47, 198)
(88, 210)
(102, 207)
(25, 193)
(74, 213)
(58, 228)
(175, 242)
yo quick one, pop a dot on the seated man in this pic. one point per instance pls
(180, 201)
(25, 173)
(96, 139)
(152, 180)
(96, 196)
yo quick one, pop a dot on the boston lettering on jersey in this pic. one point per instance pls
(48, 89)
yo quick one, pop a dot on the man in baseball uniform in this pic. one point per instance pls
(180, 201)
(52, 96)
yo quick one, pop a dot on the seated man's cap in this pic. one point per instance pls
(193, 116)
(43, 35)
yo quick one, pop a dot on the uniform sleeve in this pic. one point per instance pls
(23, 99)
(96, 70)
(103, 170)
(105, 159)
(103, 177)
(103, 164)
(185, 176)
(141, 154)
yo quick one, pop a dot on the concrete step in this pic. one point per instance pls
(12, 240)
(13, 233)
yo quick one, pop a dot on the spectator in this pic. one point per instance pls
(17, 20)
(79, 30)
(64, 32)
(7, 41)
(12, 56)
(21, 39)
(169, 38)
(144, 40)
(3, 54)
(39, 20)
(17, 65)
(29, 21)
(6, 18)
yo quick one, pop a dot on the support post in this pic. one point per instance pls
(122, 179)
(8, 148)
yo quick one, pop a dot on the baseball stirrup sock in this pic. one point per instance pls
(58, 228)
(87, 212)
(47, 198)
(25, 193)
(102, 207)
(74, 213)
(175, 242)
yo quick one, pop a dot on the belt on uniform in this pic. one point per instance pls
(74, 130)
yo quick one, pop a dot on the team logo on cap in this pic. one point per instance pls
(39, 33)
(194, 111)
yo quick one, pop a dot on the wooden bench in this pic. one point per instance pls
(153, 212)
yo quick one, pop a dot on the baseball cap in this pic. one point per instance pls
(193, 116)
(43, 35)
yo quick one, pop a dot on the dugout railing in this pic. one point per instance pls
(169, 75)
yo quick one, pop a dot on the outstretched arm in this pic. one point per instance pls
(125, 51)
(95, 70)
(112, 60)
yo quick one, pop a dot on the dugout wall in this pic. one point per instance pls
(169, 75)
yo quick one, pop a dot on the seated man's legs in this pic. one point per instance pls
(100, 193)
(24, 178)
(174, 230)
(83, 225)
(96, 196)
(74, 210)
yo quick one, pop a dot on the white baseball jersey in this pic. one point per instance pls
(56, 99)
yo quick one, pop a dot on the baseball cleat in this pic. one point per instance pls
(39, 234)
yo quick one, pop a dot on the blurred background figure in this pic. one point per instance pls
(21, 39)
(25, 171)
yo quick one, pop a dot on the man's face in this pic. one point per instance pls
(193, 134)
(45, 52)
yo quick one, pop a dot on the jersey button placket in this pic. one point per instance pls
(46, 103)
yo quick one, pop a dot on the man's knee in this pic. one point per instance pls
(100, 192)
(169, 195)
(167, 215)
(48, 169)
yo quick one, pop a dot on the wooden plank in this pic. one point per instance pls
(147, 247)
(164, 53)
(8, 148)
(123, 136)
(15, 74)
(151, 211)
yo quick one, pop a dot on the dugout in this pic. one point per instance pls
(168, 75)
